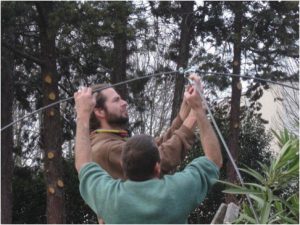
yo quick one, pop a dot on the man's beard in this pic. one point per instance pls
(117, 121)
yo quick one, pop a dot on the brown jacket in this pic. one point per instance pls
(172, 146)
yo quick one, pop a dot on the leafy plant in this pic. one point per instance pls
(271, 201)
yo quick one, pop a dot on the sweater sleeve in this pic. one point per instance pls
(93, 184)
(173, 150)
(206, 170)
(196, 179)
(176, 123)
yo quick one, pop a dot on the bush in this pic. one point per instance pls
(275, 195)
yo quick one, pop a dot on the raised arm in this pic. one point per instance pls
(176, 123)
(84, 105)
(179, 138)
(208, 138)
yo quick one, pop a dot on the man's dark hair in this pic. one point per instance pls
(139, 156)
(100, 103)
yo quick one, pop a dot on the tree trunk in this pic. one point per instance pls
(119, 63)
(51, 128)
(7, 94)
(187, 30)
(236, 88)
(120, 51)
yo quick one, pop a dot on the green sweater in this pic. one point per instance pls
(166, 200)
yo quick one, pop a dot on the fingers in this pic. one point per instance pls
(197, 82)
(84, 93)
(187, 87)
(83, 90)
(194, 77)
(95, 96)
(191, 90)
(186, 95)
(85, 101)
(190, 93)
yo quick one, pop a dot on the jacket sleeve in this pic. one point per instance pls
(197, 180)
(107, 154)
(177, 122)
(173, 150)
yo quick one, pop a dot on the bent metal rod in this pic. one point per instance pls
(181, 71)
(96, 90)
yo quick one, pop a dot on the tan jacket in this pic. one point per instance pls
(172, 146)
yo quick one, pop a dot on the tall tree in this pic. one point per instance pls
(120, 11)
(7, 145)
(180, 13)
(7, 96)
(236, 91)
(41, 34)
(51, 126)
(186, 36)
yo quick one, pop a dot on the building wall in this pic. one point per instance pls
(280, 106)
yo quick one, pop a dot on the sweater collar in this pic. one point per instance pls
(122, 133)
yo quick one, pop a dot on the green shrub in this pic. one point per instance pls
(275, 195)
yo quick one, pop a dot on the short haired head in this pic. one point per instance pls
(100, 103)
(139, 158)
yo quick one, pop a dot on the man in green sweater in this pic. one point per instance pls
(145, 197)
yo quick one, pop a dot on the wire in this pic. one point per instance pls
(145, 77)
(248, 77)
(227, 149)
(96, 90)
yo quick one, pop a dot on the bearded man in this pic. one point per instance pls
(108, 124)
